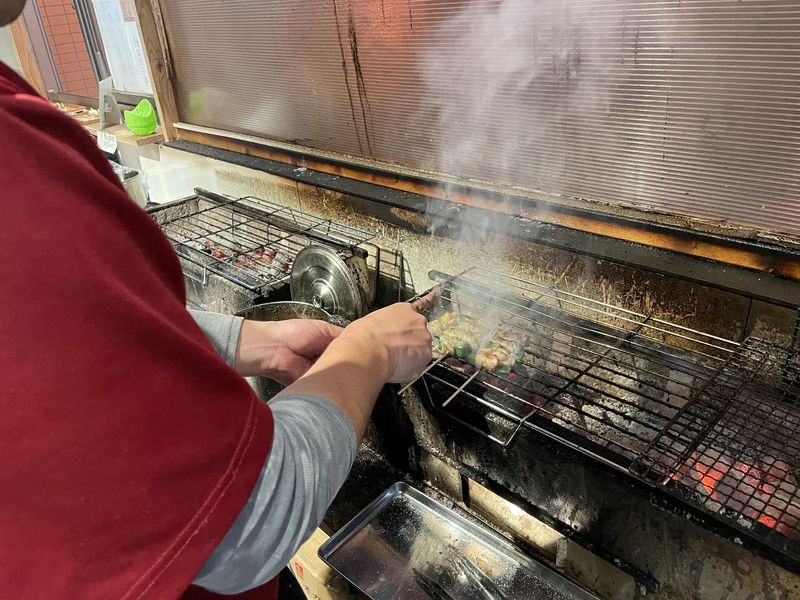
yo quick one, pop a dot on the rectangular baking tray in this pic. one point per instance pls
(404, 540)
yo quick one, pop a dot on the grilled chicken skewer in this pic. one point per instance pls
(464, 338)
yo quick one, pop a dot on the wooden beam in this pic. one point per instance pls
(27, 59)
(151, 29)
(125, 136)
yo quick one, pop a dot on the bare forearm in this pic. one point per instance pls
(350, 374)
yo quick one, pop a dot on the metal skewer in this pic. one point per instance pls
(463, 386)
(428, 368)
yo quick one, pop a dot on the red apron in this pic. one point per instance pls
(127, 446)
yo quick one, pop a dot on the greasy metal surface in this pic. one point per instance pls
(321, 278)
(661, 402)
(563, 227)
(404, 540)
(690, 108)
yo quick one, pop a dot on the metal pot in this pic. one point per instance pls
(282, 311)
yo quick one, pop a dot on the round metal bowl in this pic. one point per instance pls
(281, 311)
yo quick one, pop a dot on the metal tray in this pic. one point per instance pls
(405, 546)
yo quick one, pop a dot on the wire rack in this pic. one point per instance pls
(709, 420)
(251, 241)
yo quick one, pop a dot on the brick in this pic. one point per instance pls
(68, 58)
(60, 30)
(75, 27)
(63, 48)
(71, 68)
(78, 38)
(58, 20)
(63, 38)
(52, 10)
(73, 77)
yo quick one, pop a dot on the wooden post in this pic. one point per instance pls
(148, 16)
(26, 56)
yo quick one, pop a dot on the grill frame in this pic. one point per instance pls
(242, 229)
(726, 380)
(389, 273)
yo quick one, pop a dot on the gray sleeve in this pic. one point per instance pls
(222, 331)
(313, 448)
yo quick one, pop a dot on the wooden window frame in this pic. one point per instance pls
(737, 247)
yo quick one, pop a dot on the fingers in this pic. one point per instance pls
(425, 302)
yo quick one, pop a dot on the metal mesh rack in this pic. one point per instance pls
(251, 241)
(708, 420)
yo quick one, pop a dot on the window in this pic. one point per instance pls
(79, 42)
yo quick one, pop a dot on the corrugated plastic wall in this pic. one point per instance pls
(686, 106)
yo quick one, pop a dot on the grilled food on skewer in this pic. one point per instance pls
(466, 339)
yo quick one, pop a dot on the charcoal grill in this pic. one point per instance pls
(237, 252)
(710, 423)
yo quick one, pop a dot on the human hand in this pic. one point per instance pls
(282, 350)
(398, 333)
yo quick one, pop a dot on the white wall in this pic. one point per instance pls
(7, 53)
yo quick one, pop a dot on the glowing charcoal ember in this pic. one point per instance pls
(764, 493)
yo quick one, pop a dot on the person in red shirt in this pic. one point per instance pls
(135, 460)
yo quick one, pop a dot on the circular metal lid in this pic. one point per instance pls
(320, 277)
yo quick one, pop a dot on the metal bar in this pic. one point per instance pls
(588, 330)
(706, 422)
(632, 317)
(765, 283)
(469, 380)
(595, 363)
(517, 307)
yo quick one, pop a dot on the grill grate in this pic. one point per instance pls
(709, 420)
(252, 241)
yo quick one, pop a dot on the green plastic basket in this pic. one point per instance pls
(142, 119)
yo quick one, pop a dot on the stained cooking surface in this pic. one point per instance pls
(708, 420)
(252, 241)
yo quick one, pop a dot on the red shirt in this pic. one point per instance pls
(127, 446)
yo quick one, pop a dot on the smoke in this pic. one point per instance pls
(502, 77)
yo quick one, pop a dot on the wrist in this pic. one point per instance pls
(257, 348)
(367, 349)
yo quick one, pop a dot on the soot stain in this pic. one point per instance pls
(360, 84)
(346, 75)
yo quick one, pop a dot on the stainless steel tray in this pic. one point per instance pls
(405, 546)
